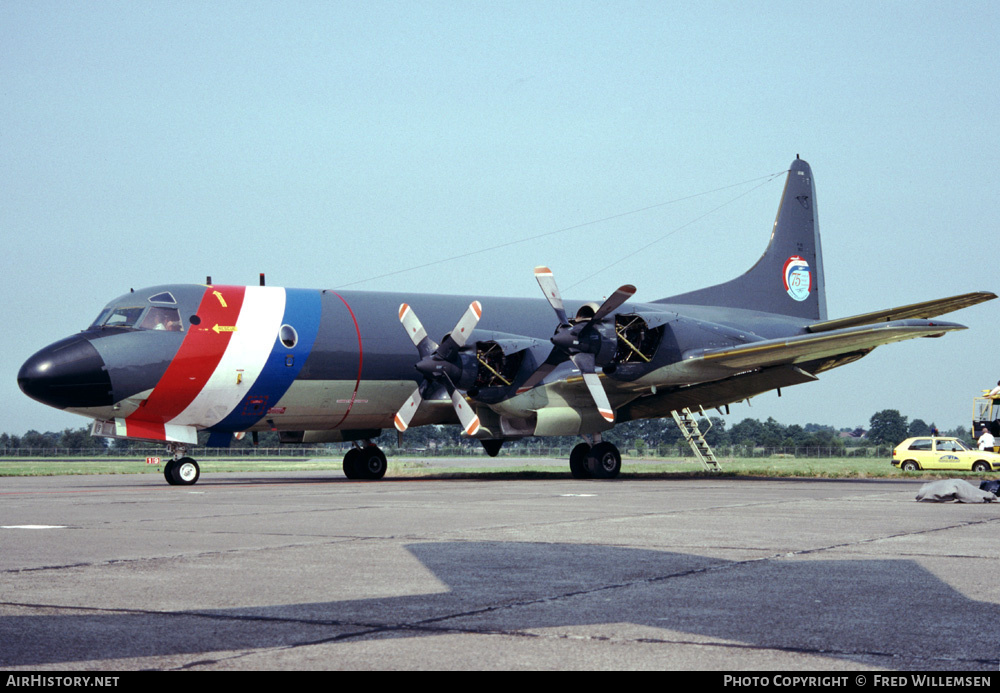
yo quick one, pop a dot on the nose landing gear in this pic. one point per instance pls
(181, 470)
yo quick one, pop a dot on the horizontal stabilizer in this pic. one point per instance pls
(812, 347)
(925, 311)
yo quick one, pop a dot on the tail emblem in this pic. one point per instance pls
(798, 279)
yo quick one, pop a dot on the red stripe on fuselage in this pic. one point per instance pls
(196, 360)
(357, 382)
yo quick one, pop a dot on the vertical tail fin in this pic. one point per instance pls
(788, 279)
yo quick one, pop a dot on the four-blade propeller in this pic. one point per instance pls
(579, 342)
(439, 365)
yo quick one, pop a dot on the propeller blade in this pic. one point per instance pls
(547, 282)
(406, 412)
(622, 294)
(467, 323)
(457, 338)
(466, 414)
(585, 362)
(415, 329)
(593, 383)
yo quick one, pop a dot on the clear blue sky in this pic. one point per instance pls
(327, 143)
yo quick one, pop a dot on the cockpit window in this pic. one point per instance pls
(140, 318)
(164, 297)
(119, 317)
(161, 319)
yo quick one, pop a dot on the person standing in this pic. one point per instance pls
(986, 440)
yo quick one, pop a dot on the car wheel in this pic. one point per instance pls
(910, 466)
(981, 466)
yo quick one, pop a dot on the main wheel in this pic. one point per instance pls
(351, 470)
(185, 472)
(604, 461)
(578, 462)
(371, 462)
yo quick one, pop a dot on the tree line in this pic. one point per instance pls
(887, 427)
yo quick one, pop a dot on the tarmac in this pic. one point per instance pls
(293, 571)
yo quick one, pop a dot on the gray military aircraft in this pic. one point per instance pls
(166, 362)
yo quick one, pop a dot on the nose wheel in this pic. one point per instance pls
(182, 472)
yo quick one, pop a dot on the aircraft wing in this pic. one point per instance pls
(925, 310)
(814, 347)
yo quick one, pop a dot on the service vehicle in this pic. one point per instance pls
(986, 415)
(928, 452)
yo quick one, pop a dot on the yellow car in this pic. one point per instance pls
(942, 453)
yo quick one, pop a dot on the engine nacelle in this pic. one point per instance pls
(501, 362)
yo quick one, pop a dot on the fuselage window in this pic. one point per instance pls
(288, 336)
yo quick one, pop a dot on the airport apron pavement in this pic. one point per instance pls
(312, 571)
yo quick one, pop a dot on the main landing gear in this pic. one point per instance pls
(181, 470)
(595, 459)
(365, 462)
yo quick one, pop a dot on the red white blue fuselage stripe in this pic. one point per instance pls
(231, 365)
(281, 365)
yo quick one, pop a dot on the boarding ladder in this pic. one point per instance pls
(696, 439)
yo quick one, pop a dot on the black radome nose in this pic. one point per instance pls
(67, 374)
